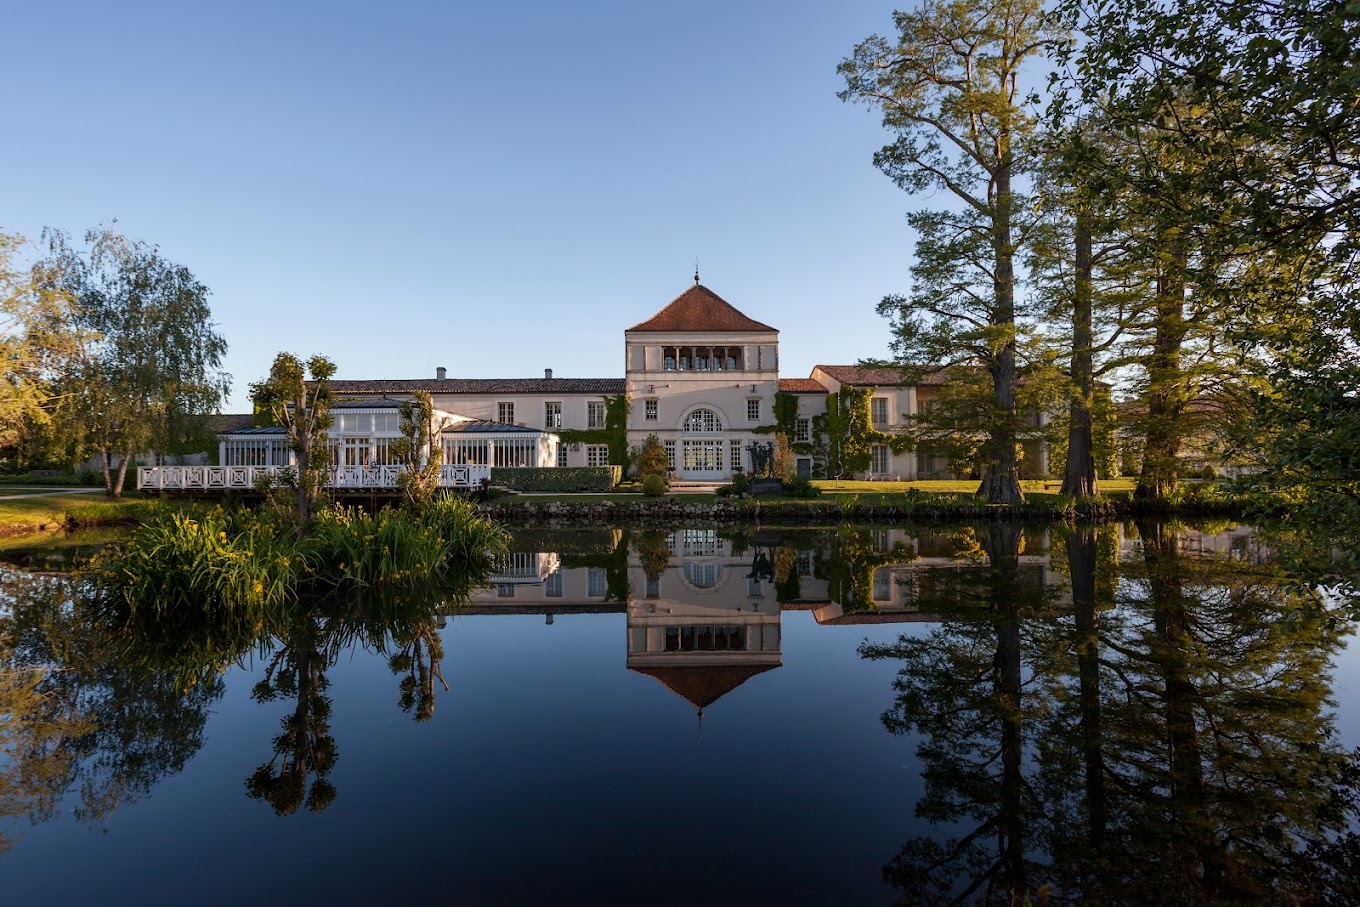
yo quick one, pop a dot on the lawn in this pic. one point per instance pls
(1029, 486)
(33, 512)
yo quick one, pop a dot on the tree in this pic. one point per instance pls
(38, 341)
(1249, 108)
(302, 407)
(150, 372)
(418, 451)
(651, 460)
(949, 90)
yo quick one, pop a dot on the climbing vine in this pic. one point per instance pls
(842, 437)
(614, 433)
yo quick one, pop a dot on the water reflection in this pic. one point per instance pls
(1114, 714)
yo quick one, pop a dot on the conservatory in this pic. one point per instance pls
(362, 457)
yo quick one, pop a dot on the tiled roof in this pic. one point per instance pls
(482, 426)
(880, 617)
(704, 685)
(230, 422)
(800, 386)
(892, 376)
(267, 430)
(599, 386)
(700, 309)
(369, 403)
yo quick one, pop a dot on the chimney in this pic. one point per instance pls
(547, 373)
(441, 373)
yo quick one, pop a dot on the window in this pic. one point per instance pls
(552, 415)
(879, 540)
(704, 456)
(553, 587)
(505, 412)
(595, 414)
(354, 423)
(880, 458)
(703, 420)
(597, 583)
(878, 410)
(669, 361)
(802, 431)
(705, 639)
(670, 454)
(561, 455)
(882, 584)
(703, 575)
(803, 466)
(649, 410)
(653, 587)
(753, 410)
(736, 454)
(597, 454)
(505, 590)
(388, 423)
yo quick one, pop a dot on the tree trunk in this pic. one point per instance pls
(1079, 477)
(1081, 558)
(1003, 553)
(124, 460)
(1001, 475)
(1166, 393)
(1188, 800)
(108, 474)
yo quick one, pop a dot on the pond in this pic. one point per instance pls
(1128, 713)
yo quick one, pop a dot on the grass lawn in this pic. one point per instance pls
(51, 510)
(1029, 486)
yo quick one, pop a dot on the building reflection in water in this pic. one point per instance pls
(703, 609)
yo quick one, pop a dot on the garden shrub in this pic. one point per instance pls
(653, 486)
(598, 479)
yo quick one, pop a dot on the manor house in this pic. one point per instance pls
(699, 374)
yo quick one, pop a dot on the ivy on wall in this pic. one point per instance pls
(842, 437)
(614, 433)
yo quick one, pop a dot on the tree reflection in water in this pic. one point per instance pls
(82, 708)
(1165, 739)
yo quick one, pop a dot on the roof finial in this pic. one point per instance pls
(696, 270)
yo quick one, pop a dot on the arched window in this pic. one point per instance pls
(703, 574)
(703, 420)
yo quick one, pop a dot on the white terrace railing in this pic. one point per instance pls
(243, 478)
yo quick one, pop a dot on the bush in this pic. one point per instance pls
(651, 460)
(653, 486)
(800, 487)
(598, 479)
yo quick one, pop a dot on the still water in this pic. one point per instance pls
(1122, 714)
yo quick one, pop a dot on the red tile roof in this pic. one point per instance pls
(800, 386)
(867, 376)
(703, 685)
(700, 309)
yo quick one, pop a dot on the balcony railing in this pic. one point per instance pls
(244, 478)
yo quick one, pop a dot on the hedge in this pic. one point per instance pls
(558, 478)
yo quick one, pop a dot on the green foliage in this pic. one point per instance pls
(236, 567)
(651, 460)
(149, 370)
(800, 487)
(947, 88)
(653, 486)
(597, 479)
(418, 450)
(614, 433)
(302, 407)
(786, 413)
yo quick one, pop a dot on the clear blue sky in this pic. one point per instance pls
(492, 187)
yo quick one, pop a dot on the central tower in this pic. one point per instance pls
(701, 377)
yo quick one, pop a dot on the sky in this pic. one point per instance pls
(496, 188)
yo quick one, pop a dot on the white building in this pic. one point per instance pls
(699, 374)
